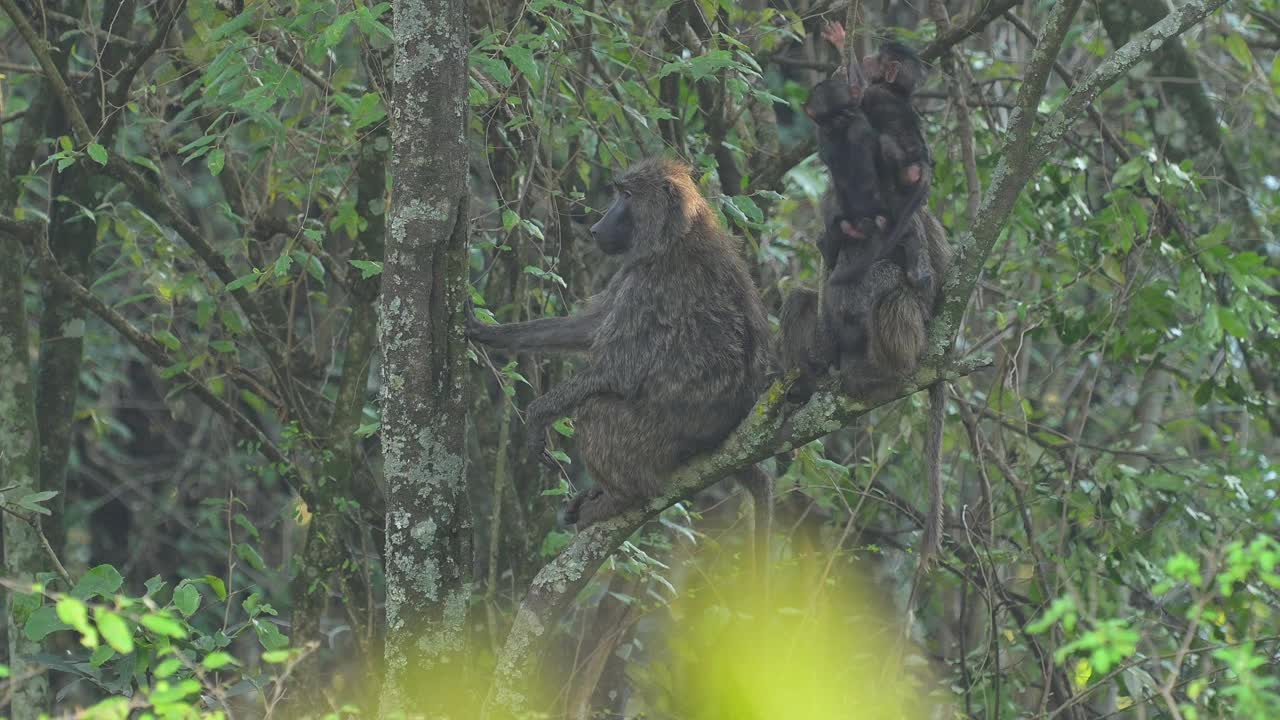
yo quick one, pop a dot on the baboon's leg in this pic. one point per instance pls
(802, 346)
(895, 320)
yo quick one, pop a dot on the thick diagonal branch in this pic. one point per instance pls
(767, 431)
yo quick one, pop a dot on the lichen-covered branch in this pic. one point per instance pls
(769, 430)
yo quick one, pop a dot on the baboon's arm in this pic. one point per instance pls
(562, 399)
(571, 334)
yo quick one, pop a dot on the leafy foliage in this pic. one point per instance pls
(1112, 480)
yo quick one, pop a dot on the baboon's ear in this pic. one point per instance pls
(669, 186)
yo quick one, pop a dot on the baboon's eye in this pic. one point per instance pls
(626, 194)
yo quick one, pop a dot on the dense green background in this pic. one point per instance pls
(204, 392)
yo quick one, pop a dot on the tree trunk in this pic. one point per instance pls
(23, 554)
(62, 324)
(428, 553)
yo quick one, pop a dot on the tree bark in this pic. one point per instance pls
(428, 563)
(24, 555)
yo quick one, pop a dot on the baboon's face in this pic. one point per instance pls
(615, 232)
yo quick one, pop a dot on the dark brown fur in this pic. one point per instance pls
(876, 304)
(904, 162)
(847, 145)
(676, 345)
(870, 322)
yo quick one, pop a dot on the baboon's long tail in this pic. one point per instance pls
(934, 520)
(760, 487)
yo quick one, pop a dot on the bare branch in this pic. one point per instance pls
(962, 29)
(1023, 119)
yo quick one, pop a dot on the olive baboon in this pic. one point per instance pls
(676, 345)
(869, 317)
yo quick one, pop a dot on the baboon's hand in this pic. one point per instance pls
(834, 34)
(921, 277)
(474, 328)
(573, 510)
(537, 419)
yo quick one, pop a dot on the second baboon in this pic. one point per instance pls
(870, 323)
(676, 345)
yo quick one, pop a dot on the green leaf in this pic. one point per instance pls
(1129, 172)
(1239, 50)
(335, 32)
(154, 585)
(166, 694)
(223, 346)
(146, 163)
(113, 708)
(269, 635)
(167, 667)
(522, 58)
(494, 68)
(1232, 323)
(167, 339)
(187, 599)
(101, 655)
(217, 158)
(239, 22)
(42, 622)
(219, 587)
(98, 153)
(102, 580)
(216, 660)
(76, 614)
(563, 426)
(367, 268)
(115, 631)
(275, 657)
(282, 265)
(554, 542)
(163, 625)
(509, 219)
(251, 556)
(32, 502)
(242, 281)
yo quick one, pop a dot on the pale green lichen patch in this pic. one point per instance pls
(424, 35)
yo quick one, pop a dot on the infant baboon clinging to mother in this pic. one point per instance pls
(676, 344)
(879, 289)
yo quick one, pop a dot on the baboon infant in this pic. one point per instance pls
(904, 161)
(676, 344)
(847, 145)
